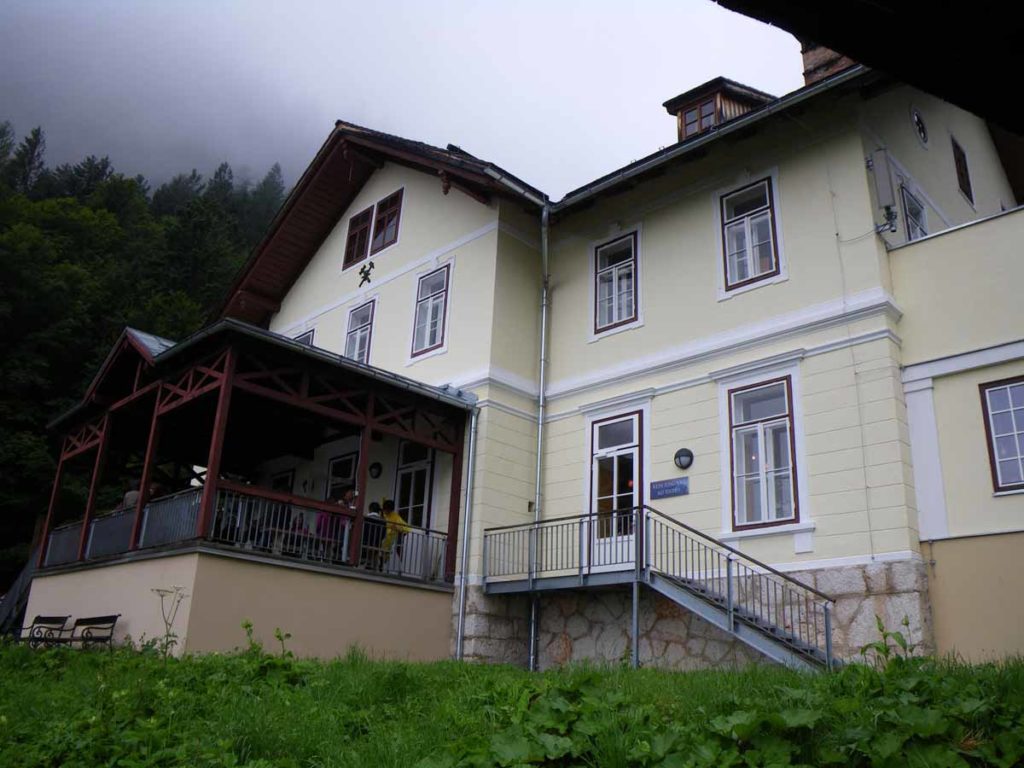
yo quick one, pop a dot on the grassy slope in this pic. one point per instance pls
(72, 708)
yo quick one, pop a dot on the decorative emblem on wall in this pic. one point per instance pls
(364, 273)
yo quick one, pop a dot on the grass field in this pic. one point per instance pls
(128, 708)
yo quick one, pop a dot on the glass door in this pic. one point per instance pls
(615, 490)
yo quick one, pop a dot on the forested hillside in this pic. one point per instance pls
(85, 251)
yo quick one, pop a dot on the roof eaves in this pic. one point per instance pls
(656, 159)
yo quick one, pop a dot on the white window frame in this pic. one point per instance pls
(603, 412)
(414, 356)
(905, 193)
(717, 196)
(349, 330)
(636, 231)
(751, 377)
(998, 485)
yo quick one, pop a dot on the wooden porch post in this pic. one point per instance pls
(454, 504)
(355, 544)
(147, 470)
(220, 422)
(54, 495)
(97, 471)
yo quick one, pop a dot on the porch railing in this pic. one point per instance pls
(265, 522)
(646, 542)
(280, 524)
(62, 545)
(110, 534)
(170, 519)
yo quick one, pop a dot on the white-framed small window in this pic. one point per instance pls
(431, 311)
(762, 451)
(360, 332)
(750, 251)
(616, 273)
(1002, 403)
(306, 338)
(915, 215)
(963, 171)
(341, 475)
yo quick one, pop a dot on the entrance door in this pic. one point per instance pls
(616, 480)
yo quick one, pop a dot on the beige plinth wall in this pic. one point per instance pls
(325, 613)
(976, 585)
(124, 588)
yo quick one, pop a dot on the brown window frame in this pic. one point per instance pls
(776, 261)
(598, 328)
(392, 208)
(306, 337)
(355, 229)
(963, 170)
(787, 381)
(349, 330)
(444, 312)
(698, 107)
(983, 389)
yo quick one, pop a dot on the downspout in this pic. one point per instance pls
(545, 215)
(466, 519)
(545, 301)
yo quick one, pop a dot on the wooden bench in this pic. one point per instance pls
(45, 630)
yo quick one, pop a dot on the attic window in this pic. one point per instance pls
(385, 223)
(963, 174)
(358, 238)
(699, 117)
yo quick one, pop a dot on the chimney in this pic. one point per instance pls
(821, 62)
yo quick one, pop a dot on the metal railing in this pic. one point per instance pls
(645, 541)
(110, 534)
(170, 519)
(257, 521)
(62, 544)
(418, 553)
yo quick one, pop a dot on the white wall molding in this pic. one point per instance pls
(494, 376)
(967, 361)
(530, 241)
(382, 280)
(867, 303)
(509, 409)
(840, 562)
(929, 486)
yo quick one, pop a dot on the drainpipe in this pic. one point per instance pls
(545, 205)
(545, 302)
(466, 518)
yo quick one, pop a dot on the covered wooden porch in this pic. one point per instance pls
(183, 444)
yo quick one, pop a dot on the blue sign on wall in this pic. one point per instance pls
(663, 489)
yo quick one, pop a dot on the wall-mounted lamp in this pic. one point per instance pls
(683, 458)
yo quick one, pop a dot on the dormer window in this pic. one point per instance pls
(699, 118)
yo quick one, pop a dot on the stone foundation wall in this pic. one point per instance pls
(595, 625)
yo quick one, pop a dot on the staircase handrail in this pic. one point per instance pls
(750, 560)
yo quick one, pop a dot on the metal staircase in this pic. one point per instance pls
(775, 614)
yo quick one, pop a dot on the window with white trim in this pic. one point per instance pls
(615, 280)
(750, 248)
(914, 214)
(431, 308)
(1003, 405)
(762, 448)
(359, 332)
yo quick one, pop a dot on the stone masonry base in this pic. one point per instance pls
(594, 625)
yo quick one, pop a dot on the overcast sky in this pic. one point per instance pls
(556, 92)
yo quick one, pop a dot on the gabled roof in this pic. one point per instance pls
(737, 91)
(344, 163)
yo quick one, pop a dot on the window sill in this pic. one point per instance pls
(639, 323)
(724, 295)
(772, 530)
(1011, 492)
(426, 355)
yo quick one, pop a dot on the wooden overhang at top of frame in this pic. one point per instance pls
(328, 186)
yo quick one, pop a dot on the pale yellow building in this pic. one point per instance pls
(732, 401)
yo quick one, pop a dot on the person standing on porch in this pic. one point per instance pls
(396, 527)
